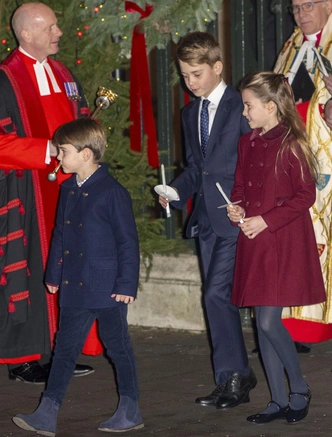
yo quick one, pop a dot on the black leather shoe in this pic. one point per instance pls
(268, 417)
(212, 399)
(83, 370)
(31, 372)
(80, 369)
(301, 348)
(294, 416)
(237, 390)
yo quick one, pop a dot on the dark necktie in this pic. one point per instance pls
(204, 125)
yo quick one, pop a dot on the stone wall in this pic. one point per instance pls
(172, 297)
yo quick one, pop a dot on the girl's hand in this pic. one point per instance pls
(123, 298)
(235, 213)
(253, 226)
(52, 288)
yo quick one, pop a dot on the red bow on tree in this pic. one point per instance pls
(140, 91)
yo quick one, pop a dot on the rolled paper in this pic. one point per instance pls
(222, 192)
(163, 180)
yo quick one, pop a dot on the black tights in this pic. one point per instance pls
(279, 355)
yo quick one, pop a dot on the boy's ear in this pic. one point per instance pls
(218, 67)
(87, 154)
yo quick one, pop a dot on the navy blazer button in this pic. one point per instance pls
(85, 194)
(65, 282)
(66, 252)
(205, 173)
(71, 192)
(80, 284)
(80, 254)
(67, 222)
(80, 225)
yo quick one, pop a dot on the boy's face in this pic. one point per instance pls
(71, 160)
(201, 79)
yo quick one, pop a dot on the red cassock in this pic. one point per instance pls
(28, 205)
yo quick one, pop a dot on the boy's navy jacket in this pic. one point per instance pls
(201, 174)
(94, 251)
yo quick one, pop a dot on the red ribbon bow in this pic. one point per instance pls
(140, 91)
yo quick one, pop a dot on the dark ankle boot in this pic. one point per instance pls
(43, 420)
(126, 417)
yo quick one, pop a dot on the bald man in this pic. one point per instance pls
(311, 324)
(37, 95)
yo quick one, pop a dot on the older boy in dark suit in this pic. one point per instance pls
(212, 125)
(95, 257)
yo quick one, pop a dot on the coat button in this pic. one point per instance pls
(80, 284)
(85, 194)
(265, 145)
(260, 184)
(80, 225)
(252, 144)
(66, 252)
(65, 282)
(80, 255)
(247, 203)
(71, 192)
(261, 164)
(251, 165)
(205, 173)
(250, 184)
(258, 204)
(67, 222)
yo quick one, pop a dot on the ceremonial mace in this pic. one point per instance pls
(105, 97)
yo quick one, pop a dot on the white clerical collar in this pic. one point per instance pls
(217, 93)
(312, 37)
(40, 72)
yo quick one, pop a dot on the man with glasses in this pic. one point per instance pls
(313, 323)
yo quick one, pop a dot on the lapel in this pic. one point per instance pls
(219, 120)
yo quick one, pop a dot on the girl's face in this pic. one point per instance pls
(71, 160)
(259, 114)
(201, 79)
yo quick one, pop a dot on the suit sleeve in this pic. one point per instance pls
(188, 182)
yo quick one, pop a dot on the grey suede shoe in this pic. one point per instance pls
(126, 418)
(43, 420)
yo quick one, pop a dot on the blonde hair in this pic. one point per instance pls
(83, 133)
(268, 86)
(199, 48)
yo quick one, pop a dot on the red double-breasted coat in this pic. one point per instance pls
(280, 266)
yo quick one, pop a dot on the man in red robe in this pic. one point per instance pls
(37, 95)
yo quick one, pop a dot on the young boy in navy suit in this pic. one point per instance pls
(212, 125)
(94, 261)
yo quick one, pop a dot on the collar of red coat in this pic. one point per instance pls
(274, 133)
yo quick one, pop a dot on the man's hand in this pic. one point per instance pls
(328, 83)
(253, 226)
(123, 298)
(328, 113)
(53, 149)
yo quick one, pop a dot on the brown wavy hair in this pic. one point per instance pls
(268, 86)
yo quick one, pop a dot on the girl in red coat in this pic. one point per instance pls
(277, 261)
